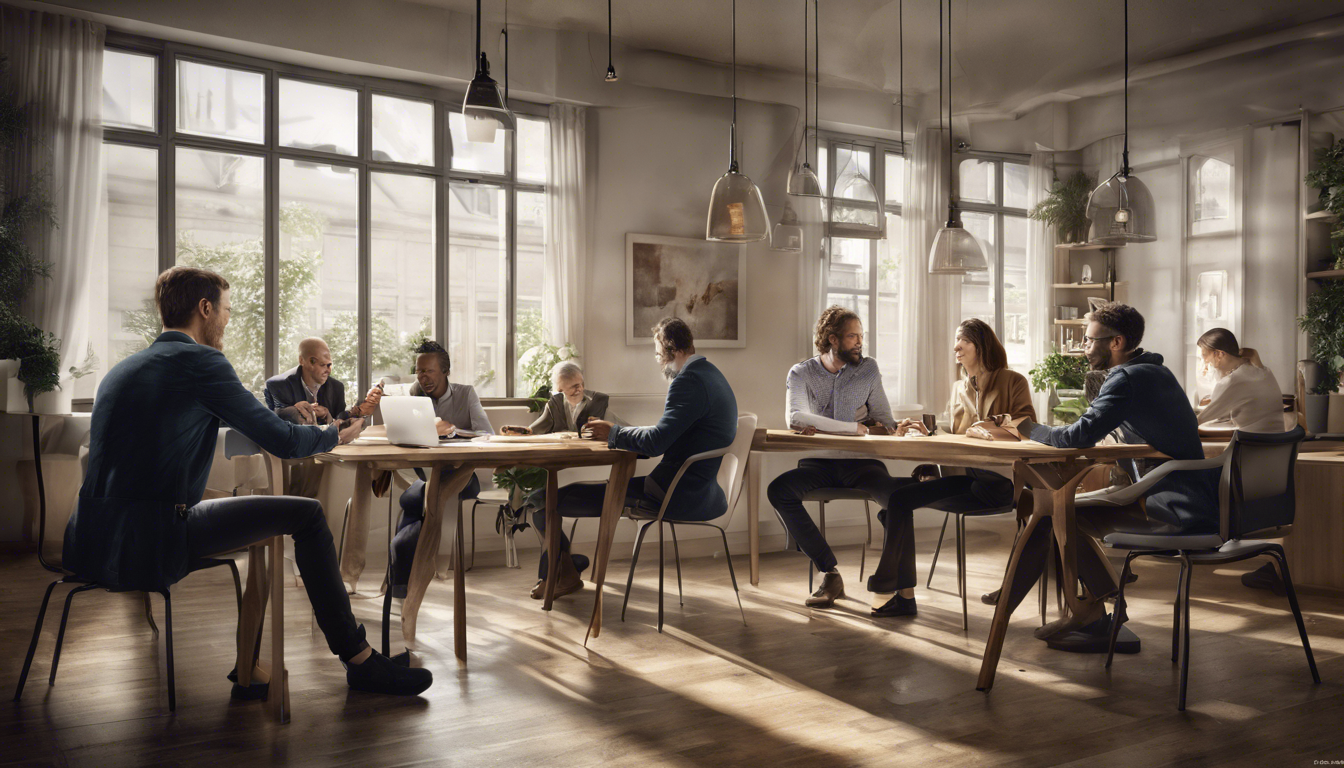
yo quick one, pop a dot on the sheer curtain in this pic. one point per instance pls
(811, 272)
(931, 305)
(1040, 271)
(56, 69)
(565, 270)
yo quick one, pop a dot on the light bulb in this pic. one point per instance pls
(1122, 215)
(481, 128)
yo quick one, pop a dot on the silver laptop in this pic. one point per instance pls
(409, 420)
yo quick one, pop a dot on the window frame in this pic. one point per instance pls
(166, 139)
(998, 210)
(828, 142)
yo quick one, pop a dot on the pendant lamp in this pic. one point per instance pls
(611, 68)
(484, 109)
(803, 181)
(1121, 208)
(955, 251)
(736, 208)
(788, 233)
(855, 210)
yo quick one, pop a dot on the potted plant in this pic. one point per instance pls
(1328, 176)
(1065, 208)
(520, 482)
(1062, 376)
(1323, 322)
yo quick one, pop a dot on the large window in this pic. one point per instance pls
(993, 194)
(342, 207)
(862, 274)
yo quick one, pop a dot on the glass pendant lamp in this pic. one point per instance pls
(788, 233)
(1121, 208)
(803, 181)
(484, 109)
(955, 251)
(855, 210)
(736, 208)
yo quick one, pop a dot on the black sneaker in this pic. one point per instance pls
(897, 606)
(379, 674)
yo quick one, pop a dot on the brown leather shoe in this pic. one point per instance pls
(832, 588)
(568, 581)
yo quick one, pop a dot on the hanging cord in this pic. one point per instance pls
(732, 134)
(802, 143)
(478, 34)
(1125, 165)
(506, 54)
(900, 47)
(940, 107)
(816, 82)
(609, 66)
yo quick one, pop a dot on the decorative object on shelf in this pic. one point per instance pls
(787, 235)
(1065, 208)
(1316, 412)
(703, 283)
(955, 251)
(803, 181)
(611, 67)
(484, 108)
(1334, 423)
(1062, 376)
(1086, 278)
(1121, 208)
(736, 208)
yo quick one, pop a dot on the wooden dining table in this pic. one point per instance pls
(450, 467)
(1050, 475)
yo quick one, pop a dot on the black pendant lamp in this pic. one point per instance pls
(736, 208)
(803, 181)
(955, 251)
(484, 109)
(1121, 208)
(611, 68)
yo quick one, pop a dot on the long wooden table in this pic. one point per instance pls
(1052, 475)
(463, 458)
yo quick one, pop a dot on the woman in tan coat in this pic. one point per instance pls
(987, 394)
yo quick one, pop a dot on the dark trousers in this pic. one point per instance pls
(868, 475)
(225, 525)
(896, 569)
(408, 528)
(585, 500)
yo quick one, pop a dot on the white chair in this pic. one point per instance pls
(730, 479)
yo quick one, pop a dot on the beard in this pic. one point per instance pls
(670, 371)
(1099, 359)
(214, 336)
(852, 356)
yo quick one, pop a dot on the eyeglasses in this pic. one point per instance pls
(1095, 339)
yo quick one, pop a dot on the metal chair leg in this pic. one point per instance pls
(937, 549)
(340, 549)
(727, 555)
(149, 616)
(32, 645)
(662, 562)
(961, 572)
(634, 560)
(472, 560)
(1185, 631)
(1297, 612)
(1119, 616)
(1176, 616)
(168, 640)
(676, 555)
(863, 553)
(60, 634)
(387, 620)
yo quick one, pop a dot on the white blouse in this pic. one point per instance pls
(1249, 397)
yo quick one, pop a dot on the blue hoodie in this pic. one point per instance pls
(1142, 398)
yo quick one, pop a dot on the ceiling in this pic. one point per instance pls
(1008, 53)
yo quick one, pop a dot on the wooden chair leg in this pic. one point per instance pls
(863, 553)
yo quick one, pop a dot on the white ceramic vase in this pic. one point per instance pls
(15, 400)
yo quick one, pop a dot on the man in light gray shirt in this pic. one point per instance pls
(458, 408)
(838, 391)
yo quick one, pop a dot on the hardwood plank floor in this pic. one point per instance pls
(795, 687)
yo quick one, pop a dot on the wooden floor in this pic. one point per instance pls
(795, 687)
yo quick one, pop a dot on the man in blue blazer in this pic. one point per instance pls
(700, 415)
(309, 394)
(141, 522)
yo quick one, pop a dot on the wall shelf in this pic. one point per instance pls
(1089, 247)
(1090, 286)
(1328, 274)
(1325, 216)
(1079, 321)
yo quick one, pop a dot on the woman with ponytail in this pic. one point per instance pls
(1245, 393)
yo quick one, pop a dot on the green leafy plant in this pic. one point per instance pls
(519, 482)
(1328, 176)
(538, 358)
(1070, 411)
(1323, 323)
(1065, 207)
(1058, 371)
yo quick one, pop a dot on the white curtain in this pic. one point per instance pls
(1040, 271)
(564, 274)
(56, 69)
(811, 272)
(930, 304)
